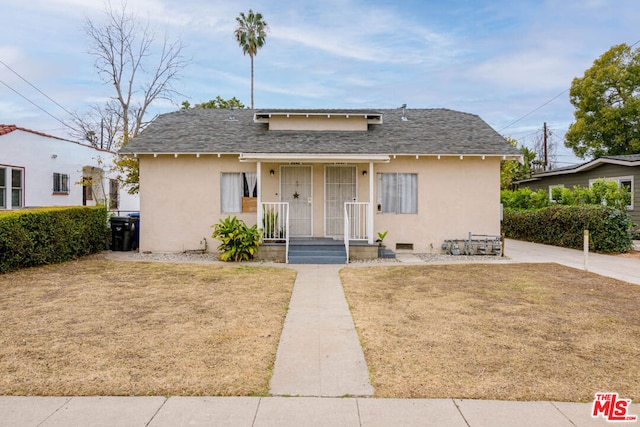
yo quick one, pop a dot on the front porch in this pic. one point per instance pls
(309, 208)
(279, 244)
(316, 251)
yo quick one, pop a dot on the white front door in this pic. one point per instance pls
(340, 187)
(296, 188)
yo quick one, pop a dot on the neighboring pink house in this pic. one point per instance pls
(423, 175)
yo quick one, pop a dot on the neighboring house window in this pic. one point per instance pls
(60, 183)
(234, 187)
(3, 188)
(113, 194)
(625, 182)
(16, 188)
(552, 198)
(398, 193)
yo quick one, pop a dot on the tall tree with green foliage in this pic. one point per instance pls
(218, 102)
(607, 102)
(251, 35)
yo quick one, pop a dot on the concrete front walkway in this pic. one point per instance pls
(319, 352)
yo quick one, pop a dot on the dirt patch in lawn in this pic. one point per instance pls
(510, 332)
(99, 327)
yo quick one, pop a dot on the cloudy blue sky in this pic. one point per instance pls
(500, 59)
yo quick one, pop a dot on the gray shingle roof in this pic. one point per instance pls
(427, 131)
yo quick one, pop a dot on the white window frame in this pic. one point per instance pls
(618, 180)
(3, 188)
(398, 209)
(551, 187)
(20, 189)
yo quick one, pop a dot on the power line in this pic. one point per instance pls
(539, 108)
(37, 106)
(33, 86)
(548, 102)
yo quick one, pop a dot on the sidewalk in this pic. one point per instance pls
(320, 356)
(288, 411)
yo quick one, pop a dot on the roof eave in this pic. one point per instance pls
(587, 166)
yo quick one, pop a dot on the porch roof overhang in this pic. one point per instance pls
(313, 158)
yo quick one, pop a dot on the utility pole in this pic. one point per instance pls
(546, 160)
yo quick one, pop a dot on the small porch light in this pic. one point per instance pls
(364, 173)
(272, 172)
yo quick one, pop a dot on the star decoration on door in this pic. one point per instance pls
(296, 195)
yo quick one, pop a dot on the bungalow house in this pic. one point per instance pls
(37, 169)
(423, 175)
(624, 170)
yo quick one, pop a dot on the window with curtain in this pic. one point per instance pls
(233, 187)
(398, 193)
(60, 183)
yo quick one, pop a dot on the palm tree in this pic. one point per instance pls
(251, 33)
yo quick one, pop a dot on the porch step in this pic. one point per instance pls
(323, 251)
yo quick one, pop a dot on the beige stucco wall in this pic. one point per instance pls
(180, 199)
(455, 197)
(318, 122)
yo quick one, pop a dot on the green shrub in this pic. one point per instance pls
(238, 241)
(609, 228)
(601, 192)
(524, 198)
(44, 236)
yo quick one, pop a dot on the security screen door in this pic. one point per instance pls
(296, 188)
(340, 187)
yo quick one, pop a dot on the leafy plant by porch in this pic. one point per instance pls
(381, 237)
(239, 242)
(270, 224)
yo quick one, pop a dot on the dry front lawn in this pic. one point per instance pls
(511, 332)
(99, 327)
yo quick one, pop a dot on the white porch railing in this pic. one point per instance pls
(357, 222)
(273, 218)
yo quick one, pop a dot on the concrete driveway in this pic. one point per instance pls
(617, 267)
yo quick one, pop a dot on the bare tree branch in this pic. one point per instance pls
(124, 57)
(127, 56)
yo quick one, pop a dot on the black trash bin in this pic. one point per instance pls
(136, 234)
(122, 231)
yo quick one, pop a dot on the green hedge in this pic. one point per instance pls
(50, 235)
(609, 228)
